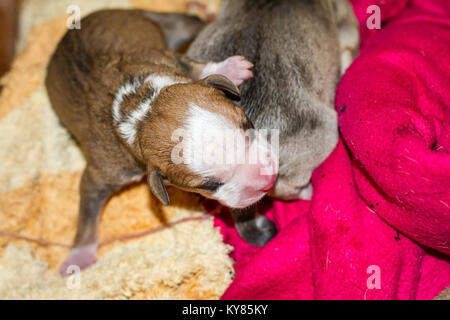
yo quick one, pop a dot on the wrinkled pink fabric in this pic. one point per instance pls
(382, 198)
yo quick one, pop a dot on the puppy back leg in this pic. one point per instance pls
(93, 195)
(255, 229)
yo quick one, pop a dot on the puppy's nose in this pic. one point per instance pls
(261, 177)
(265, 172)
(268, 182)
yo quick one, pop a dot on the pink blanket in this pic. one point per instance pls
(378, 226)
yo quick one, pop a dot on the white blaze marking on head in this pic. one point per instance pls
(205, 131)
(127, 124)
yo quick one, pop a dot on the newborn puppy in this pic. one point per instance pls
(123, 96)
(299, 49)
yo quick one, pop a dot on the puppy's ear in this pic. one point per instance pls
(157, 187)
(224, 84)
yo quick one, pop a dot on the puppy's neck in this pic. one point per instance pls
(133, 103)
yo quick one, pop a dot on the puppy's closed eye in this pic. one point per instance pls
(211, 185)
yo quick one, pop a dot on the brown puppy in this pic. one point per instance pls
(124, 96)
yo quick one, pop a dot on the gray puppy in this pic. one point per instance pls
(299, 49)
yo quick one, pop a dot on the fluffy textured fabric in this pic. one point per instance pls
(381, 204)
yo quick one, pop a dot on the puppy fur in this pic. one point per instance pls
(299, 49)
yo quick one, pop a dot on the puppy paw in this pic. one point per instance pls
(81, 257)
(235, 68)
(258, 231)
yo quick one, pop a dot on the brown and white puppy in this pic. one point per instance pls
(299, 49)
(123, 96)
